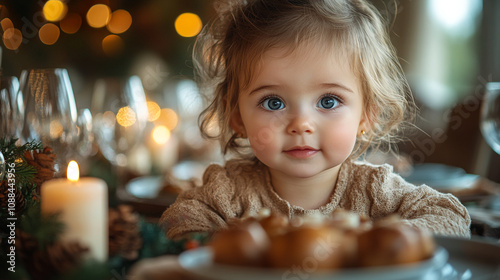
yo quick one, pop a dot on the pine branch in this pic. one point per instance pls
(13, 153)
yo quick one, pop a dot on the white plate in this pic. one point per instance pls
(145, 187)
(441, 177)
(199, 262)
(475, 258)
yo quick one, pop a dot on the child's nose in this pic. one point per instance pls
(300, 125)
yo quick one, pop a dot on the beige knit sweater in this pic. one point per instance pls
(241, 188)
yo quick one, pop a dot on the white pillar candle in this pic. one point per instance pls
(83, 205)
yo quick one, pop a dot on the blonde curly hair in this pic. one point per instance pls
(228, 50)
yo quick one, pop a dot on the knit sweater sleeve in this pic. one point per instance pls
(203, 209)
(421, 206)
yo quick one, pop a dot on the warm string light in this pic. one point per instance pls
(120, 22)
(188, 25)
(54, 10)
(49, 33)
(126, 116)
(168, 118)
(160, 134)
(112, 45)
(59, 19)
(154, 111)
(98, 16)
(71, 23)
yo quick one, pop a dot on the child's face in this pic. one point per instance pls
(302, 111)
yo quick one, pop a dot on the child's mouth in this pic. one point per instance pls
(301, 152)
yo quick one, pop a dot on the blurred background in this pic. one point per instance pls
(449, 50)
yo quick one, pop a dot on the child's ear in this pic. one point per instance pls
(237, 123)
(365, 124)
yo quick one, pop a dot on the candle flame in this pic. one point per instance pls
(73, 172)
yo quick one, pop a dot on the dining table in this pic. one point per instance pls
(454, 258)
(477, 257)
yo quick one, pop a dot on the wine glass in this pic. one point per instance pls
(119, 116)
(50, 112)
(84, 145)
(85, 134)
(490, 116)
(11, 107)
(2, 166)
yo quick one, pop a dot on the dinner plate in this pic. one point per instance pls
(441, 177)
(199, 262)
(475, 258)
(145, 187)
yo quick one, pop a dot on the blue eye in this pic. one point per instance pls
(272, 104)
(328, 102)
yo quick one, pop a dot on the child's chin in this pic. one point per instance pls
(301, 173)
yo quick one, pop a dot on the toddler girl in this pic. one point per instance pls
(309, 86)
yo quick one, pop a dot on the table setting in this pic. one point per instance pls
(60, 168)
(106, 219)
(454, 258)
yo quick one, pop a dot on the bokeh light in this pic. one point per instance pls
(54, 10)
(154, 111)
(168, 118)
(12, 38)
(161, 134)
(71, 23)
(120, 21)
(49, 33)
(6, 24)
(112, 45)
(56, 129)
(188, 25)
(126, 116)
(98, 15)
(109, 119)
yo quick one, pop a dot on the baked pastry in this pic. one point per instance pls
(275, 224)
(393, 243)
(244, 243)
(311, 243)
(308, 247)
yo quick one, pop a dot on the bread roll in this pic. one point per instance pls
(308, 248)
(389, 244)
(275, 224)
(242, 244)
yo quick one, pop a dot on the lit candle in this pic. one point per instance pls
(83, 204)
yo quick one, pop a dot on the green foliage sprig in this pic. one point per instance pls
(14, 153)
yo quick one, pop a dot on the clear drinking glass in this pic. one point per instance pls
(50, 112)
(2, 166)
(11, 107)
(120, 115)
(490, 116)
(85, 134)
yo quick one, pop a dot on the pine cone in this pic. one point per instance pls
(124, 232)
(57, 258)
(25, 244)
(4, 196)
(44, 162)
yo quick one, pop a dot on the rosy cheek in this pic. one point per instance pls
(262, 138)
(263, 130)
(343, 137)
